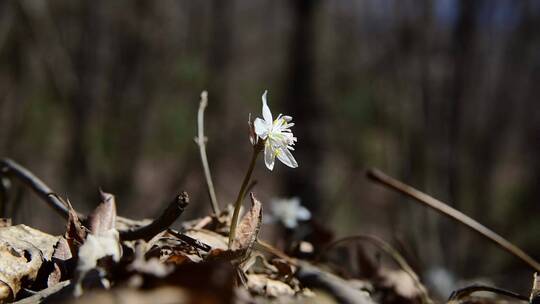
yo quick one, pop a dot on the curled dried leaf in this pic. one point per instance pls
(249, 226)
(103, 218)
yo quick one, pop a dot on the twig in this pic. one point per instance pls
(201, 142)
(262, 245)
(190, 241)
(10, 168)
(463, 292)
(47, 293)
(316, 278)
(452, 213)
(169, 215)
(388, 249)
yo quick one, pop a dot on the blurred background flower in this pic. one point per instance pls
(289, 211)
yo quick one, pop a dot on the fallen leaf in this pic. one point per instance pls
(5, 222)
(214, 240)
(75, 232)
(22, 252)
(249, 226)
(103, 218)
(284, 268)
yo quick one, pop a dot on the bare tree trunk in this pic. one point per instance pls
(81, 99)
(302, 99)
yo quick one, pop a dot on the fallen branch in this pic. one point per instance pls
(190, 241)
(201, 142)
(383, 179)
(264, 246)
(46, 294)
(10, 168)
(169, 215)
(460, 294)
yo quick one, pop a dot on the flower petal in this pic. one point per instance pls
(303, 213)
(285, 156)
(267, 115)
(290, 222)
(269, 156)
(261, 128)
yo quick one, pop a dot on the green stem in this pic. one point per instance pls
(232, 234)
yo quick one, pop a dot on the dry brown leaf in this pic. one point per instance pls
(75, 232)
(169, 249)
(103, 218)
(284, 268)
(249, 226)
(179, 257)
(61, 250)
(210, 238)
(5, 222)
(22, 252)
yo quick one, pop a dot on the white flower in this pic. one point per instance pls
(277, 136)
(289, 211)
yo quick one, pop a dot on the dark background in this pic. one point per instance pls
(440, 94)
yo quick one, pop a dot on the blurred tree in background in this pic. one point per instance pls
(443, 94)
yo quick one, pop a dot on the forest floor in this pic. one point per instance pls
(106, 258)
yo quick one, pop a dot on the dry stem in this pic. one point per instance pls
(232, 233)
(380, 177)
(10, 168)
(201, 142)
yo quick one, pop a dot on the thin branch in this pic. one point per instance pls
(262, 245)
(464, 292)
(169, 215)
(10, 168)
(388, 249)
(380, 177)
(201, 142)
(190, 241)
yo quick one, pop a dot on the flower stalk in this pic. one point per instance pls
(257, 148)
